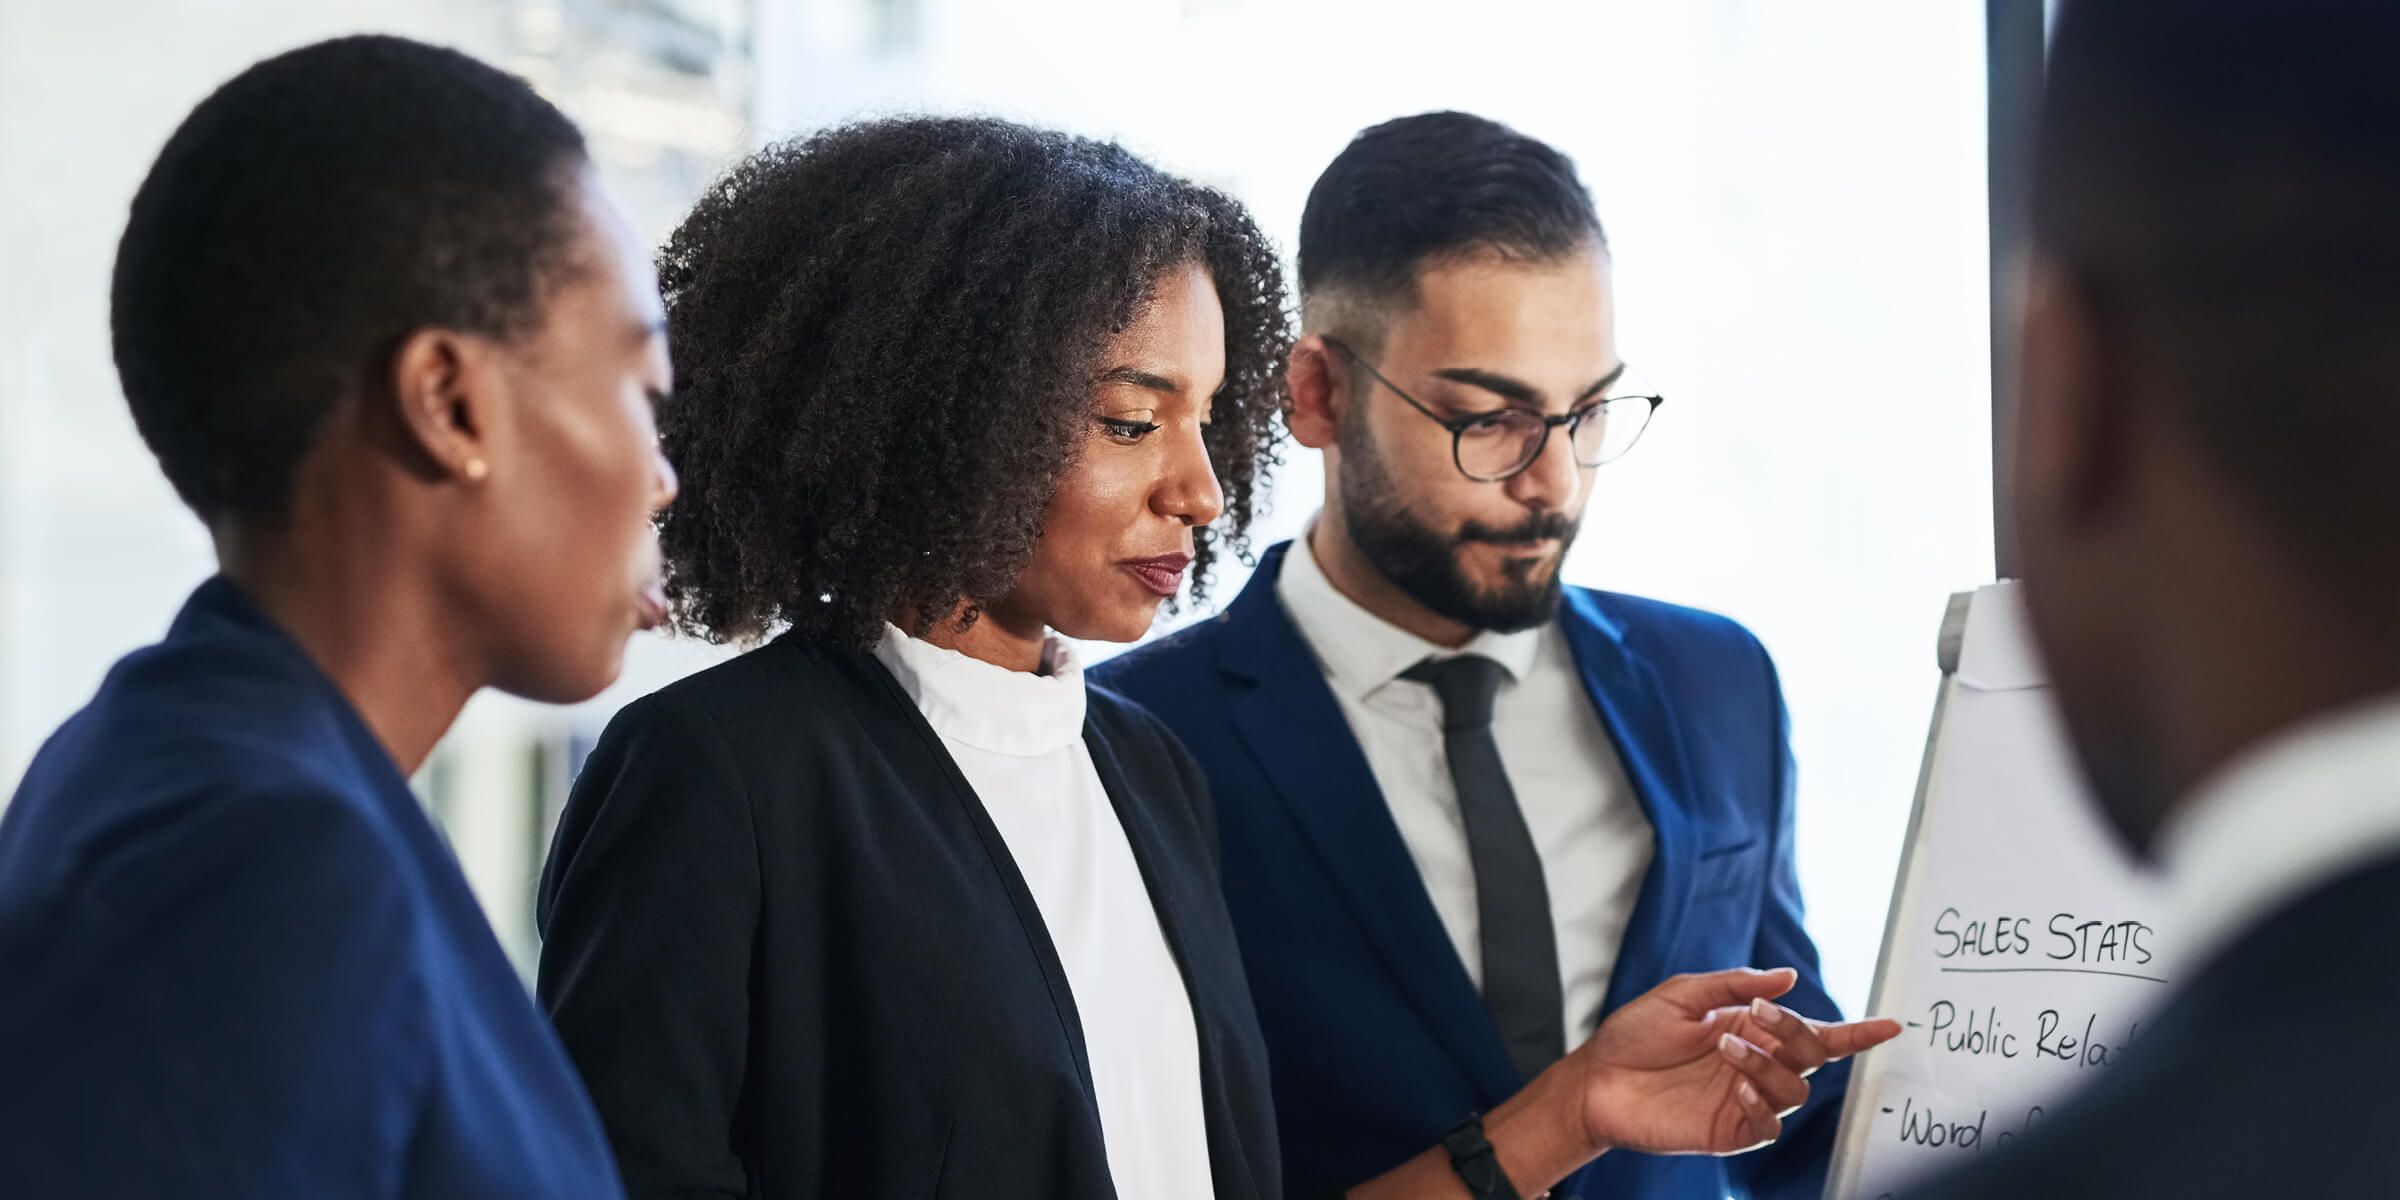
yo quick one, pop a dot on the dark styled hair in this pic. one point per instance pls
(886, 339)
(305, 218)
(2222, 180)
(1416, 190)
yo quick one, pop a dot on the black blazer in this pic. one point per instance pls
(792, 957)
(2272, 1075)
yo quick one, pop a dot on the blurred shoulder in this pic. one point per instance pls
(290, 877)
(194, 764)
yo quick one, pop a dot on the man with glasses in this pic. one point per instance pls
(1465, 811)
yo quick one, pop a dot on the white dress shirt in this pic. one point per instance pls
(2285, 817)
(1018, 738)
(1588, 826)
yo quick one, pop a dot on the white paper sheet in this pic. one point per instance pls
(2027, 946)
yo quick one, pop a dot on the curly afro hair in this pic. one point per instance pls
(886, 338)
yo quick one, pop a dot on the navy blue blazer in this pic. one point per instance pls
(236, 959)
(2267, 1076)
(1377, 1040)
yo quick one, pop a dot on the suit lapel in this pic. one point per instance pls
(1292, 726)
(1229, 1159)
(934, 771)
(1632, 706)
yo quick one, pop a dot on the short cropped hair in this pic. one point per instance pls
(1419, 190)
(305, 218)
(2222, 179)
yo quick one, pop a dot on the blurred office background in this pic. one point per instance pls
(1795, 195)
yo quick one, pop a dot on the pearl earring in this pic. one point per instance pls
(476, 470)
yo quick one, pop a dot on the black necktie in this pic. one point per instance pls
(1512, 904)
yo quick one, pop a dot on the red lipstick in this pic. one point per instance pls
(1163, 575)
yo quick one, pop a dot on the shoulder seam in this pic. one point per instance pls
(722, 746)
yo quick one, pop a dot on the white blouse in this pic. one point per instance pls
(1018, 738)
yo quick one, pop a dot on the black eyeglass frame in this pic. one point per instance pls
(1458, 426)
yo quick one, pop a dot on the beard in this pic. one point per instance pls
(1423, 562)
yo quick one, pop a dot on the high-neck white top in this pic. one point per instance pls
(2290, 815)
(1018, 738)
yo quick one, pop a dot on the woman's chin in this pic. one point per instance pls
(564, 683)
(1129, 625)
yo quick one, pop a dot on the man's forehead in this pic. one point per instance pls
(1450, 289)
(1547, 311)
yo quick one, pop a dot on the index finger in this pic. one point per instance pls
(1850, 1037)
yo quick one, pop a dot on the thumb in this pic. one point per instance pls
(1720, 989)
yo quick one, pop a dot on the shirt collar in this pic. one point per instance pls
(219, 612)
(989, 707)
(2294, 813)
(1360, 651)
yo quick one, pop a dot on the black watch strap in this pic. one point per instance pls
(1477, 1165)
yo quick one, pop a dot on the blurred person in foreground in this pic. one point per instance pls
(1468, 812)
(395, 347)
(2207, 490)
(896, 904)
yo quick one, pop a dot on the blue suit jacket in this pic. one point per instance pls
(1376, 1038)
(236, 959)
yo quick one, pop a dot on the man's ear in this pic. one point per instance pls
(1320, 381)
(443, 387)
(2075, 414)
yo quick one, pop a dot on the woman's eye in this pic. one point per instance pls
(1127, 431)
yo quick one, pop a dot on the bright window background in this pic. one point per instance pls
(1794, 194)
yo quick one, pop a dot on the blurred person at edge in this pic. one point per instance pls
(394, 345)
(2207, 492)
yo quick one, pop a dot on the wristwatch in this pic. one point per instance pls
(1478, 1167)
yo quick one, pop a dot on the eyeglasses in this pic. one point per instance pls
(1492, 446)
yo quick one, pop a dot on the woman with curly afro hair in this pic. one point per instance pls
(895, 904)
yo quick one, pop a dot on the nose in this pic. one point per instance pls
(1554, 480)
(1188, 491)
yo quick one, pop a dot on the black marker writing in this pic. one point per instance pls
(1980, 938)
(2098, 941)
(1979, 1034)
(1920, 1127)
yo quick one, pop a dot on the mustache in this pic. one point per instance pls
(1535, 528)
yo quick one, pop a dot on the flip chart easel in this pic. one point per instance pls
(2024, 946)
